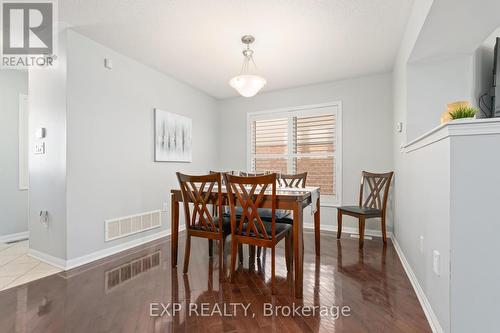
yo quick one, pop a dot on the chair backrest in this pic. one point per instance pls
(248, 192)
(199, 190)
(253, 174)
(298, 180)
(377, 186)
(231, 172)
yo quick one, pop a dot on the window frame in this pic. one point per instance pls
(304, 110)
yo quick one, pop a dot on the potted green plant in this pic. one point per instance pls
(463, 112)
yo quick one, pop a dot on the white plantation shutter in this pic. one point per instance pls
(302, 140)
(315, 147)
(270, 144)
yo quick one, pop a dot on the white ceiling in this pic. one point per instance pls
(298, 42)
(445, 34)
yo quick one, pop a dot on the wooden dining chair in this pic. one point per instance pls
(215, 207)
(298, 180)
(249, 228)
(200, 221)
(374, 204)
(288, 180)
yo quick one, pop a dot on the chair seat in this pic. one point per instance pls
(226, 225)
(281, 228)
(264, 213)
(368, 212)
(285, 220)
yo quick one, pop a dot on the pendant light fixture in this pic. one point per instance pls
(248, 84)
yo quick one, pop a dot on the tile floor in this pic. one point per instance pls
(17, 267)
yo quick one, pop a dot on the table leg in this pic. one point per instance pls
(317, 228)
(175, 229)
(298, 262)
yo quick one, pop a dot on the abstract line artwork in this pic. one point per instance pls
(173, 137)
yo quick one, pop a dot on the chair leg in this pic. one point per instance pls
(288, 248)
(273, 269)
(339, 223)
(240, 253)
(251, 253)
(361, 231)
(221, 258)
(187, 253)
(210, 248)
(234, 250)
(259, 250)
(384, 235)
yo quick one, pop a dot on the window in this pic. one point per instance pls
(305, 139)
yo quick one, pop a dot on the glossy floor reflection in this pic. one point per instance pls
(119, 294)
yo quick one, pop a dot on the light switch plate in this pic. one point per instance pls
(421, 244)
(40, 148)
(108, 63)
(40, 133)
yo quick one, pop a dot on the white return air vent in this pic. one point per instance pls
(133, 224)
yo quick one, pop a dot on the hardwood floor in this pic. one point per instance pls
(115, 295)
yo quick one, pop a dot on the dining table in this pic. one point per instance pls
(292, 199)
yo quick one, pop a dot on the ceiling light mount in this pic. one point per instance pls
(247, 39)
(248, 84)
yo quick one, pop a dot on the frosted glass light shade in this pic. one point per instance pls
(247, 85)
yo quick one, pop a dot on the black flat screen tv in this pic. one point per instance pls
(496, 81)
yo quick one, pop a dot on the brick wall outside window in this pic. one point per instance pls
(296, 143)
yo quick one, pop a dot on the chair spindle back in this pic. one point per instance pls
(248, 192)
(201, 191)
(378, 189)
(298, 180)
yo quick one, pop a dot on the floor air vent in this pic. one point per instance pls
(133, 224)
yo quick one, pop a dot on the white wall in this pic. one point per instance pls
(111, 172)
(421, 91)
(366, 129)
(47, 99)
(431, 86)
(474, 233)
(424, 175)
(411, 187)
(13, 202)
(100, 137)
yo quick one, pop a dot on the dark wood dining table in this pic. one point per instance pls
(294, 201)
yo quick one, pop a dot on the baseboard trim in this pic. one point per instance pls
(97, 255)
(14, 237)
(88, 258)
(348, 230)
(47, 258)
(424, 302)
